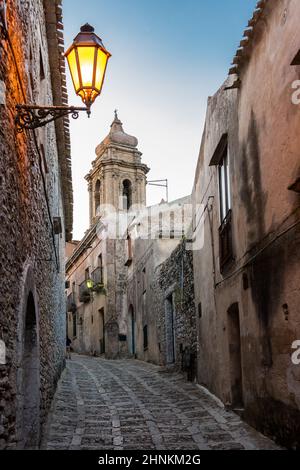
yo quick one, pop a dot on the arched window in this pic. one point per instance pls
(127, 195)
(97, 196)
(30, 377)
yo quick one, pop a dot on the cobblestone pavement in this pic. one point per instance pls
(103, 405)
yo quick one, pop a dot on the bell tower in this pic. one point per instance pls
(118, 176)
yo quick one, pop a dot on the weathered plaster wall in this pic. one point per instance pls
(88, 318)
(269, 142)
(91, 325)
(263, 280)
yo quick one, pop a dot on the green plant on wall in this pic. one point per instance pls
(99, 289)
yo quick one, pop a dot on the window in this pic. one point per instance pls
(71, 305)
(87, 274)
(224, 185)
(42, 70)
(127, 195)
(97, 197)
(129, 251)
(225, 230)
(221, 160)
(172, 225)
(145, 335)
(199, 310)
(74, 292)
(100, 266)
(160, 225)
(97, 274)
(74, 325)
(225, 241)
(144, 281)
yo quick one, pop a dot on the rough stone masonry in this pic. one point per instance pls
(32, 305)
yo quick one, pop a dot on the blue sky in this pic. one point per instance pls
(168, 56)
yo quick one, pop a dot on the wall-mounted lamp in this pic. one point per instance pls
(87, 59)
(90, 284)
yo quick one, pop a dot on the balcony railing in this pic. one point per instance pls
(225, 241)
(71, 304)
(97, 276)
(84, 293)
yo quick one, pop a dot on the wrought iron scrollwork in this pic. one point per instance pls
(32, 117)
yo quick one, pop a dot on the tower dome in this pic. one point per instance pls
(118, 176)
(117, 136)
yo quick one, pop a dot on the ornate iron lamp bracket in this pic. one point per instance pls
(32, 117)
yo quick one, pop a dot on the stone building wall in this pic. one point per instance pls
(85, 320)
(117, 161)
(100, 322)
(249, 307)
(32, 303)
(174, 281)
(140, 313)
(153, 278)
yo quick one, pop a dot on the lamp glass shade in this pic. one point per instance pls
(74, 69)
(89, 283)
(101, 67)
(87, 59)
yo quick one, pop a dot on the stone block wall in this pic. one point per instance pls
(32, 303)
(174, 282)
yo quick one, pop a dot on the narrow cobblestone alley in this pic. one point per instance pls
(127, 404)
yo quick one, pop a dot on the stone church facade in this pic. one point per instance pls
(35, 220)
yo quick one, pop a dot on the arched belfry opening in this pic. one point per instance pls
(127, 195)
(30, 382)
(97, 197)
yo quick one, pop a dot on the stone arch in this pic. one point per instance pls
(127, 194)
(28, 372)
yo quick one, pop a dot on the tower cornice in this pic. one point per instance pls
(113, 163)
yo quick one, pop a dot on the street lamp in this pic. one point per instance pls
(87, 59)
(90, 284)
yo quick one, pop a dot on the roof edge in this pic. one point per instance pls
(55, 39)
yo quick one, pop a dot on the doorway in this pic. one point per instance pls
(170, 333)
(102, 331)
(131, 330)
(234, 339)
(30, 385)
